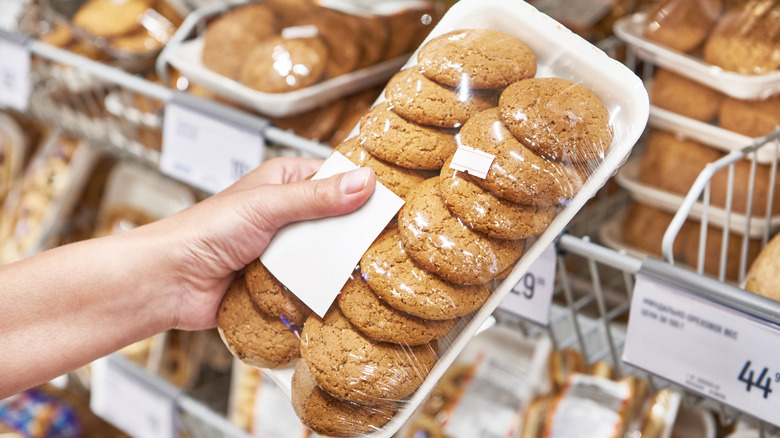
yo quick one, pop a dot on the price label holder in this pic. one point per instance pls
(531, 297)
(208, 145)
(14, 71)
(705, 340)
(138, 403)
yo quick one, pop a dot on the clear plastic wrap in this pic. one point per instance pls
(733, 47)
(46, 192)
(278, 47)
(13, 148)
(460, 242)
(128, 33)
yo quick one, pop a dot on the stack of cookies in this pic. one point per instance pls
(278, 46)
(455, 234)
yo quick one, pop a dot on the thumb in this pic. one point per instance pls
(312, 199)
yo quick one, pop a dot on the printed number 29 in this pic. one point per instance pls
(529, 284)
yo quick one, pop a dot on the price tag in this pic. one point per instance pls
(208, 152)
(472, 161)
(14, 72)
(711, 349)
(132, 403)
(531, 297)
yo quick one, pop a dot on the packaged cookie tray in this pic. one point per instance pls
(631, 30)
(707, 133)
(134, 50)
(186, 55)
(13, 147)
(45, 195)
(562, 59)
(628, 178)
(133, 188)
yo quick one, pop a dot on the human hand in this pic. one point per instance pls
(208, 243)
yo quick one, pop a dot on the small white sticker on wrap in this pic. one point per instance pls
(472, 161)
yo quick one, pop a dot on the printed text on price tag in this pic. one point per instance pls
(132, 404)
(205, 151)
(709, 348)
(531, 297)
(14, 73)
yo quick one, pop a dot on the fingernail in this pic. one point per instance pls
(354, 181)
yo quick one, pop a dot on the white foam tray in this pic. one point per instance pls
(131, 185)
(630, 30)
(628, 178)
(706, 133)
(559, 53)
(186, 57)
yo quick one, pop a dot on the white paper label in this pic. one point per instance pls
(300, 32)
(709, 348)
(14, 75)
(136, 407)
(531, 297)
(472, 161)
(315, 258)
(207, 152)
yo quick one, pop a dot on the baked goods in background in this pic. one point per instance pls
(644, 226)
(282, 46)
(762, 278)
(747, 40)
(684, 96)
(123, 29)
(672, 163)
(43, 184)
(681, 24)
(753, 118)
(737, 36)
(232, 37)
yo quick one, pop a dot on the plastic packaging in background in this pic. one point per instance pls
(603, 105)
(670, 165)
(591, 406)
(488, 386)
(740, 43)
(258, 406)
(13, 148)
(135, 196)
(297, 56)
(640, 229)
(681, 105)
(128, 34)
(49, 189)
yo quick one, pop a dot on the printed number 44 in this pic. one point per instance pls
(763, 381)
